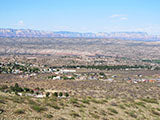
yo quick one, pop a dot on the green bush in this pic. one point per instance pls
(38, 108)
(19, 111)
(140, 104)
(74, 114)
(49, 116)
(1, 111)
(155, 113)
(150, 100)
(132, 114)
(26, 89)
(17, 99)
(113, 110)
(74, 101)
(3, 87)
(54, 105)
(122, 106)
(86, 101)
(94, 116)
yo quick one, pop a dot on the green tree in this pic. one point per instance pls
(47, 94)
(55, 94)
(60, 94)
(67, 94)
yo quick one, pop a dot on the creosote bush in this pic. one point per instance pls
(113, 110)
(20, 111)
(74, 114)
(38, 108)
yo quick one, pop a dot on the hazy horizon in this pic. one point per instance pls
(82, 16)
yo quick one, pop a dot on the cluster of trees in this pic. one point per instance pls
(60, 94)
(51, 77)
(10, 67)
(152, 61)
(106, 67)
(16, 88)
(67, 78)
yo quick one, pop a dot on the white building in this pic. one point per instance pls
(67, 71)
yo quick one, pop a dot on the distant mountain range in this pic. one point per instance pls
(115, 35)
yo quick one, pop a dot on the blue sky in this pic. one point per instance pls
(82, 15)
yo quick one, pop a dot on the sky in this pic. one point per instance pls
(82, 15)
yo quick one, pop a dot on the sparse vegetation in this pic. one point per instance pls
(94, 115)
(20, 111)
(150, 100)
(38, 108)
(132, 114)
(74, 114)
(113, 110)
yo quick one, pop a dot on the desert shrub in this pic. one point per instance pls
(79, 105)
(155, 112)
(132, 114)
(2, 99)
(20, 111)
(73, 101)
(74, 114)
(1, 111)
(82, 110)
(31, 102)
(140, 104)
(97, 101)
(86, 101)
(114, 104)
(48, 116)
(26, 89)
(94, 115)
(3, 87)
(122, 106)
(17, 99)
(127, 105)
(150, 100)
(113, 110)
(53, 105)
(158, 109)
(102, 112)
(38, 108)
(53, 99)
(61, 118)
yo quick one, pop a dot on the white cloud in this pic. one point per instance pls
(119, 16)
(124, 18)
(116, 15)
